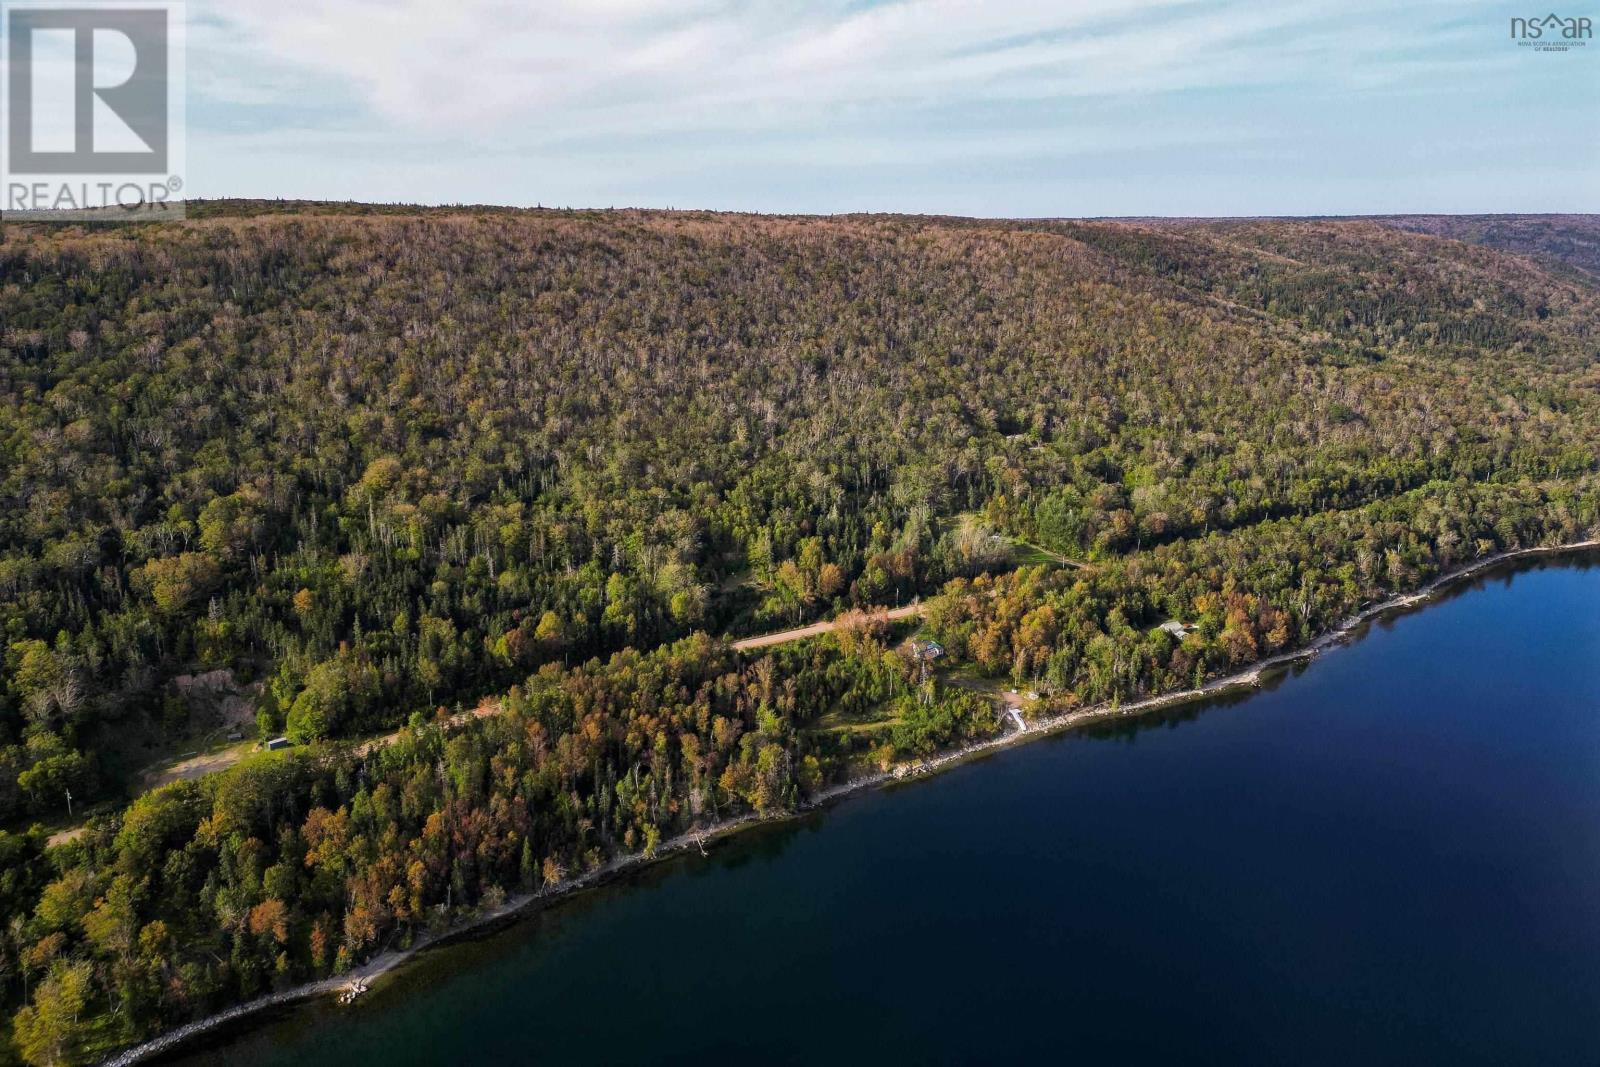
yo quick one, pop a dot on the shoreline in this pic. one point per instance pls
(1248, 677)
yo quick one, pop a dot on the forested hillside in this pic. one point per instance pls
(324, 470)
(1571, 241)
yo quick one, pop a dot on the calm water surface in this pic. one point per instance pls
(1391, 857)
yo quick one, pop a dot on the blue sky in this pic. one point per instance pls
(978, 107)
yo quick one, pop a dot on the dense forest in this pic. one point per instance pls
(329, 472)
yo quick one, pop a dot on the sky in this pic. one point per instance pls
(971, 107)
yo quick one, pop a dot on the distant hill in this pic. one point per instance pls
(1571, 240)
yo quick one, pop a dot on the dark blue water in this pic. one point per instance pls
(1393, 857)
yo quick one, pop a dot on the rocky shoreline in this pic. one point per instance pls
(1250, 677)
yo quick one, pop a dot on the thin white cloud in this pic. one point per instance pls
(486, 65)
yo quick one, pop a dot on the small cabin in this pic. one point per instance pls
(1177, 629)
(276, 743)
(927, 649)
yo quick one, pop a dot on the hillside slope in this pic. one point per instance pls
(1570, 240)
(457, 444)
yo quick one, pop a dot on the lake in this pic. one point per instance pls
(1390, 856)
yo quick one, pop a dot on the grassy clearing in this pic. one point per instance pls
(1028, 554)
(872, 719)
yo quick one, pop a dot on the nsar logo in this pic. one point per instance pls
(1552, 33)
